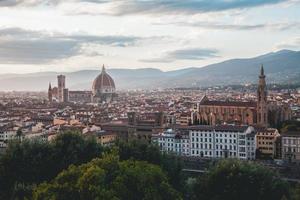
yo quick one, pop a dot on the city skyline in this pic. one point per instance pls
(82, 34)
(150, 99)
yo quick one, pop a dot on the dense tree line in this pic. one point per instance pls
(73, 167)
(141, 150)
(28, 163)
(290, 126)
(109, 178)
(235, 180)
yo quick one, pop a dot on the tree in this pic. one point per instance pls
(143, 151)
(234, 180)
(296, 192)
(31, 162)
(108, 178)
(291, 125)
(19, 134)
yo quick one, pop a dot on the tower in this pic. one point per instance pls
(262, 109)
(66, 95)
(61, 80)
(50, 93)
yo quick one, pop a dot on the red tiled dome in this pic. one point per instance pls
(103, 82)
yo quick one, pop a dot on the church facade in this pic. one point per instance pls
(261, 113)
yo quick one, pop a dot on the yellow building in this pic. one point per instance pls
(106, 138)
(266, 141)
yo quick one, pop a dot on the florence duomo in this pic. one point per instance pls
(103, 90)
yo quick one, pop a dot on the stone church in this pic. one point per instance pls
(261, 113)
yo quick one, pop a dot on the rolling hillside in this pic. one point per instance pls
(281, 67)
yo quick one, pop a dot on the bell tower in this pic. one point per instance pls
(262, 109)
(50, 93)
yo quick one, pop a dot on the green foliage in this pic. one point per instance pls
(142, 150)
(290, 126)
(235, 180)
(32, 162)
(129, 170)
(108, 178)
(296, 193)
(139, 150)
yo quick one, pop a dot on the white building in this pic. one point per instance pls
(6, 135)
(222, 141)
(291, 146)
(173, 142)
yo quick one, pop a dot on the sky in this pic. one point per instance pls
(71, 35)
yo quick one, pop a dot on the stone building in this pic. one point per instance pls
(266, 141)
(80, 96)
(50, 95)
(61, 84)
(262, 112)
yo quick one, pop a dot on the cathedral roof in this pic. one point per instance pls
(103, 80)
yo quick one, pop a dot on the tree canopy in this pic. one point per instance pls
(235, 180)
(109, 178)
(74, 167)
(31, 162)
(141, 150)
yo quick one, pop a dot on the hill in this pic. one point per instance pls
(280, 67)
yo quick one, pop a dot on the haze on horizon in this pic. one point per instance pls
(71, 35)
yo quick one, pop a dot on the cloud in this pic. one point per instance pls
(12, 3)
(185, 54)
(187, 7)
(128, 7)
(34, 47)
(24, 3)
(294, 44)
(221, 26)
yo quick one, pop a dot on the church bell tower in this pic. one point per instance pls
(50, 93)
(262, 109)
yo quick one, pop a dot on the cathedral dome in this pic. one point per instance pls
(103, 83)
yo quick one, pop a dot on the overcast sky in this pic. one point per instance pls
(70, 35)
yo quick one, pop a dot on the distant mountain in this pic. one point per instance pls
(281, 67)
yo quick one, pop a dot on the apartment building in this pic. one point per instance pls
(221, 141)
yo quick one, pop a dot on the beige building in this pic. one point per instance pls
(106, 138)
(266, 141)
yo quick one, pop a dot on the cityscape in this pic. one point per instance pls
(80, 120)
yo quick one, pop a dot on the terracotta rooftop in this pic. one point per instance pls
(229, 103)
(233, 128)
